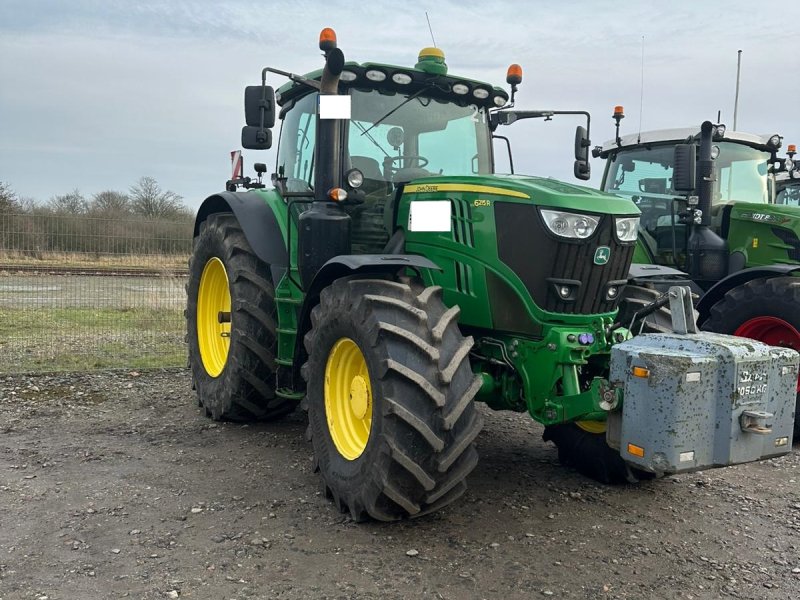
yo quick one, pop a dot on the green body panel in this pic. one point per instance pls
(545, 354)
(752, 231)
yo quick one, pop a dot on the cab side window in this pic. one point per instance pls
(296, 150)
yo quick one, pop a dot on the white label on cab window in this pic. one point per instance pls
(429, 216)
(334, 107)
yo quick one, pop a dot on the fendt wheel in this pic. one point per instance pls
(583, 447)
(230, 322)
(390, 398)
(635, 298)
(767, 310)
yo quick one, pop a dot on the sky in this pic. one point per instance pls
(95, 94)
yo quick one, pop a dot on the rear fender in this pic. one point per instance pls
(258, 222)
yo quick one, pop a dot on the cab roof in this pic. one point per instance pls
(440, 85)
(681, 134)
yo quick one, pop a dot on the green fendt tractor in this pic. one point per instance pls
(740, 249)
(390, 279)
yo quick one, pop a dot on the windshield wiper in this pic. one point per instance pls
(398, 107)
(371, 139)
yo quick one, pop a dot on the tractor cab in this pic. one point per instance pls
(642, 166)
(405, 124)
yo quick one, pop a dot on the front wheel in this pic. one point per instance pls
(583, 447)
(390, 398)
(765, 310)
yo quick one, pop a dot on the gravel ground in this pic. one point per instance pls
(114, 485)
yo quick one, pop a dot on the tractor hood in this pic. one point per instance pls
(540, 191)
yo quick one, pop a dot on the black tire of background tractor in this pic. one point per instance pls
(590, 455)
(244, 391)
(636, 297)
(424, 420)
(777, 297)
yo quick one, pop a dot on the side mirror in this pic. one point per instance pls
(684, 172)
(582, 144)
(255, 138)
(582, 170)
(256, 99)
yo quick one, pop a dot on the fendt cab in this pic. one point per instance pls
(390, 279)
(722, 229)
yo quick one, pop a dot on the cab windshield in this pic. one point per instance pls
(742, 174)
(396, 137)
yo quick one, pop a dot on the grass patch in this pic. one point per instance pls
(72, 339)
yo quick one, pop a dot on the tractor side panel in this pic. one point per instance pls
(764, 234)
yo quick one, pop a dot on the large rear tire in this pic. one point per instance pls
(390, 398)
(230, 322)
(767, 310)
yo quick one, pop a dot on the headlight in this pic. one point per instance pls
(355, 178)
(627, 229)
(570, 225)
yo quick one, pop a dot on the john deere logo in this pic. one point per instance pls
(601, 255)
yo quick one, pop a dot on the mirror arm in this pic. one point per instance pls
(296, 78)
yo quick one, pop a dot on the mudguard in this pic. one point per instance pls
(723, 286)
(342, 266)
(258, 222)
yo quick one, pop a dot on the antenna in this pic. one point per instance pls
(430, 29)
(641, 97)
(736, 101)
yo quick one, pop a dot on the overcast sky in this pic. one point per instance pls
(94, 94)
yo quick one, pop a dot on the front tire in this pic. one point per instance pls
(764, 310)
(583, 447)
(230, 321)
(390, 398)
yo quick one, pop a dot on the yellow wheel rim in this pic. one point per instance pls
(592, 426)
(348, 398)
(213, 317)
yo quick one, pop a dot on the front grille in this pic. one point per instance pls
(544, 261)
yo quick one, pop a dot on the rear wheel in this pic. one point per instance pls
(764, 310)
(230, 322)
(390, 398)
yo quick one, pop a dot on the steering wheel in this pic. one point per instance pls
(421, 161)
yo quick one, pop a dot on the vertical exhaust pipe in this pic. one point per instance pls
(324, 229)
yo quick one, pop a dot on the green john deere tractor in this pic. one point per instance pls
(740, 249)
(389, 279)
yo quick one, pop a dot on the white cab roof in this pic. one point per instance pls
(680, 134)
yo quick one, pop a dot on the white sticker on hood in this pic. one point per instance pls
(429, 216)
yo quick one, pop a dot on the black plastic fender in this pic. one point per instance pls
(259, 223)
(342, 266)
(723, 286)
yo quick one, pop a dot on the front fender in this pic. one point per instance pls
(723, 286)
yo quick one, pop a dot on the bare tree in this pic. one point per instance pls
(72, 203)
(110, 201)
(8, 199)
(149, 200)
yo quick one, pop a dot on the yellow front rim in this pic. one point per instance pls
(348, 398)
(213, 317)
(592, 426)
